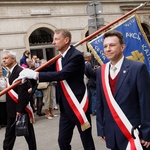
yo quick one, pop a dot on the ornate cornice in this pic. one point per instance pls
(132, 6)
(8, 2)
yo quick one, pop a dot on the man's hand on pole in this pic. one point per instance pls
(27, 74)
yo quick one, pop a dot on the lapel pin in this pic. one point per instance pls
(124, 71)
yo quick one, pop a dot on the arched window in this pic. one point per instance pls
(40, 42)
(41, 36)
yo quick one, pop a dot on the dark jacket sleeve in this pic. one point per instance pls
(23, 97)
(91, 75)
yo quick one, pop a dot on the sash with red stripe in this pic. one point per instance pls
(118, 115)
(79, 109)
(14, 97)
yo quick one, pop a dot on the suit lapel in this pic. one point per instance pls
(12, 75)
(67, 56)
(122, 75)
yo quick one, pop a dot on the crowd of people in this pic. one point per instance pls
(116, 92)
(41, 97)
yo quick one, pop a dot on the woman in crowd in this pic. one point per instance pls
(3, 114)
(23, 62)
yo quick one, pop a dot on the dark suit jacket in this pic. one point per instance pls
(23, 95)
(91, 75)
(132, 93)
(73, 72)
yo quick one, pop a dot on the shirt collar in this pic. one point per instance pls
(11, 70)
(64, 54)
(118, 64)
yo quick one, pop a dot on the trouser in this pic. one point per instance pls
(3, 113)
(66, 127)
(39, 105)
(10, 136)
(92, 99)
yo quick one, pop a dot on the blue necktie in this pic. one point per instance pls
(62, 60)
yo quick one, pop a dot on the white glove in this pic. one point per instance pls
(26, 74)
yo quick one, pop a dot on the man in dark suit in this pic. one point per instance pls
(16, 101)
(123, 101)
(69, 72)
(90, 73)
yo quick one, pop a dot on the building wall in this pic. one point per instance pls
(19, 19)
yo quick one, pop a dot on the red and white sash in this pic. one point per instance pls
(14, 97)
(118, 115)
(79, 109)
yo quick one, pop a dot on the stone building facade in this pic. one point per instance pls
(30, 24)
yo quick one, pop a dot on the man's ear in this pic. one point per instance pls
(123, 47)
(67, 40)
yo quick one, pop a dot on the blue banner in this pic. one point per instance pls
(137, 44)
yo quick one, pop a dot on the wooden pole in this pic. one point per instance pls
(38, 69)
(77, 44)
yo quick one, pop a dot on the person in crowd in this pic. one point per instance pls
(34, 57)
(36, 61)
(90, 74)
(17, 100)
(39, 102)
(30, 63)
(48, 103)
(4, 69)
(54, 95)
(39, 99)
(123, 103)
(23, 62)
(68, 71)
(3, 113)
(32, 85)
